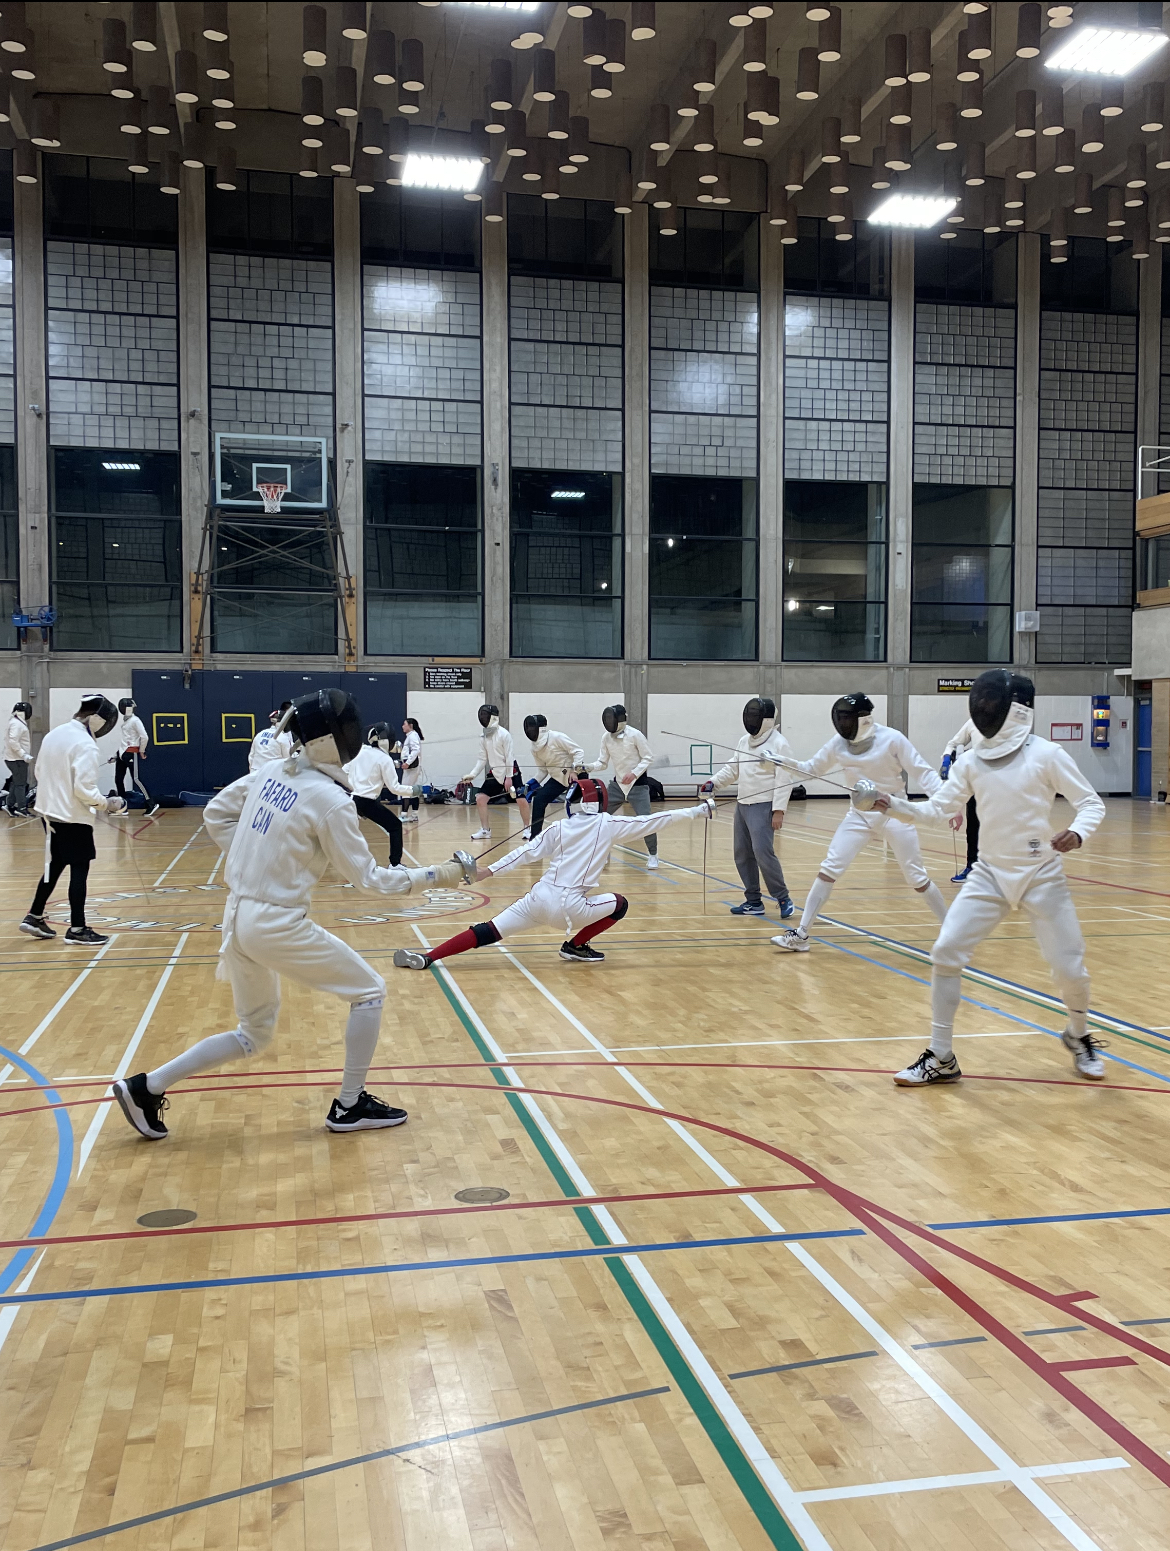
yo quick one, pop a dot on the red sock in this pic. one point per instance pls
(460, 943)
(595, 930)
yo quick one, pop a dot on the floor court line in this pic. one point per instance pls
(835, 1494)
(167, 869)
(748, 1044)
(61, 1001)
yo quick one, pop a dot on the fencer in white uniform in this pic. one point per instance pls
(493, 775)
(757, 768)
(865, 749)
(576, 851)
(132, 742)
(410, 757)
(281, 826)
(558, 760)
(18, 757)
(369, 775)
(1015, 777)
(268, 744)
(625, 749)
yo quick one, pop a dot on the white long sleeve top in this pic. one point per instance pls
(17, 743)
(1014, 795)
(67, 775)
(577, 850)
(495, 756)
(967, 737)
(760, 780)
(132, 734)
(282, 825)
(557, 757)
(627, 751)
(888, 758)
(411, 749)
(267, 745)
(372, 770)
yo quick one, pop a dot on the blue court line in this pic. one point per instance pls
(61, 1175)
(589, 1253)
(1027, 1222)
(346, 1464)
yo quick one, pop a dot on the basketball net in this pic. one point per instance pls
(272, 493)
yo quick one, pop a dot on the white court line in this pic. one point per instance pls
(6, 1071)
(166, 870)
(1017, 1474)
(215, 869)
(10, 1310)
(836, 1494)
(747, 1044)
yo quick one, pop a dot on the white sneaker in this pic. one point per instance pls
(410, 818)
(482, 834)
(1086, 1061)
(928, 1068)
(651, 864)
(526, 834)
(793, 941)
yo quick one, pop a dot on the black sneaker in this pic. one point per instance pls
(151, 807)
(581, 954)
(86, 936)
(142, 1108)
(36, 926)
(368, 1114)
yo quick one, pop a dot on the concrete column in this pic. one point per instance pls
(1027, 468)
(194, 394)
(771, 432)
(900, 489)
(1149, 361)
(1159, 739)
(347, 388)
(32, 436)
(636, 482)
(497, 465)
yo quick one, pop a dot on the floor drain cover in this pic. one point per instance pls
(478, 1195)
(169, 1217)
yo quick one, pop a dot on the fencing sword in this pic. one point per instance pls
(759, 759)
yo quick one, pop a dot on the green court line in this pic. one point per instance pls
(771, 1520)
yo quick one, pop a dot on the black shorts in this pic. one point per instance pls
(71, 843)
(492, 788)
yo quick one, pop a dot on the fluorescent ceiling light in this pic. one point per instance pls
(446, 172)
(123, 468)
(504, 5)
(1105, 51)
(568, 495)
(912, 210)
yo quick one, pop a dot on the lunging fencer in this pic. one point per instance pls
(575, 850)
(132, 741)
(870, 751)
(558, 763)
(18, 757)
(625, 749)
(1015, 777)
(493, 775)
(280, 827)
(370, 773)
(761, 803)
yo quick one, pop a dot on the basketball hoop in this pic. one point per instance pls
(272, 493)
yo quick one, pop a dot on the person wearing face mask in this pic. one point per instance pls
(492, 776)
(132, 741)
(557, 761)
(370, 773)
(18, 757)
(67, 798)
(625, 749)
(764, 789)
(865, 749)
(1015, 777)
(268, 744)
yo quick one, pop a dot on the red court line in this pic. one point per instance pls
(1083, 1364)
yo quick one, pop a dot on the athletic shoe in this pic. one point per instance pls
(142, 1108)
(368, 1114)
(407, 958)
(481, 834)
(526, 834)
(581, 953)
(793, 941)
(410, 818)
(651, 864)
(86, 936)
(961, 877)
(1086, 1061)
(151, 807)
(787, 909)
(36, 926)
(747, 910)
(928, 1068)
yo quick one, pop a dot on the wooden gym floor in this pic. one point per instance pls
(843, 1315)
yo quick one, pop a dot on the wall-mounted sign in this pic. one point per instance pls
(448, 676)
(954, 686)
(1067, 732)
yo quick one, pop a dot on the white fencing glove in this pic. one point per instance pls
(708, 805)
(446, 875)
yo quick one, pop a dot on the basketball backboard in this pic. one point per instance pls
(243, 463)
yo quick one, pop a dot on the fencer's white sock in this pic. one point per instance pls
(361, 1039)
(215, 1050)
(814, 900)
(946, 992)
(935, 899)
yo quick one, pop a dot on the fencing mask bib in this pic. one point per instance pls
(759, 716)
(489, 717)
(1001, 705)
(378, 737)
(327, 725)
(23, 709)
(99, 714)
(587, 796)
(613, 718)
(127, 707)
(534, 726)
(853, 718)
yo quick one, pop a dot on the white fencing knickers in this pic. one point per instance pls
(546, 905)
(856, 830)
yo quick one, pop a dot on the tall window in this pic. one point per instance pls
(962, 574)
(566, 564)
(703, 570)
(834, 571)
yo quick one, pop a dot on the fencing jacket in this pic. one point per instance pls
(759, 779)
(17, 743)
(67, 775)
(577, 850)
(132, 735)
(1014, 796)
(967, 737)
(887, 757)
(627, 751)
(557, 757)
(372, 770)
(495, 756)
(269, 744)
(282, 826)
(411, 749)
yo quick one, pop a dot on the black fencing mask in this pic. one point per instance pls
(125, 705)
(327, 725)
(22, 708)
(378, 737)
(852, 715)
(992, 696)
(613, 718)
(99, 714)
(489, 715)
(758, 710)
(534, 726)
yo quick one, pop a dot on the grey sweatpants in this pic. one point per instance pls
(755, 852)
(639, 800)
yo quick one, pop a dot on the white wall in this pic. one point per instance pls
(1151, 644)
(450, 732)
(577, 715)
(63, 704)
(679, 721)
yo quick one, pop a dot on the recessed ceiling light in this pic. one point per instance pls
(912, 210)
(444, 172)
(1105, 51)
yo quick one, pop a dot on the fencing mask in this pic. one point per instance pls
(613, 718)
(22, 708)
(327, 725)
(1001, 705)
(853, 717)
(99, 714)
(378, 737)
(489, 716)
(534, 726)
(586, 796)
(126, 706)
(275, 716)
(759, 715)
